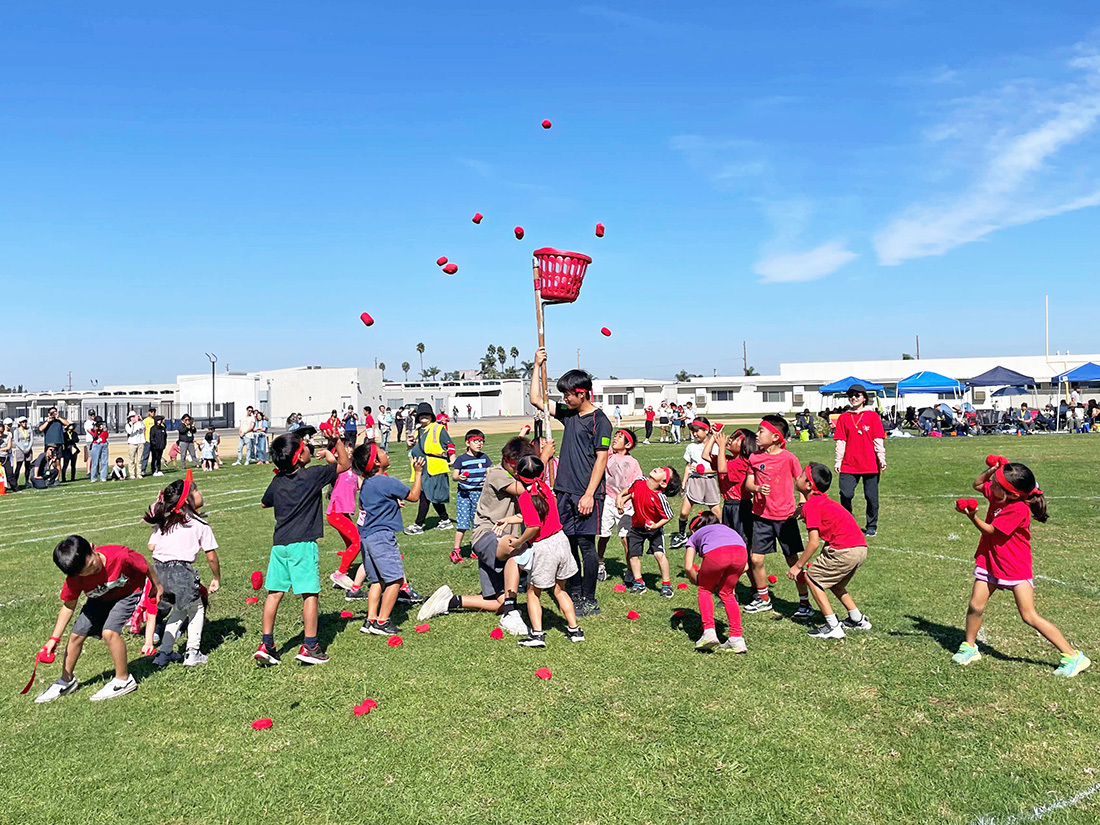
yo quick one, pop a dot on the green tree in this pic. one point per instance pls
(683, 375)
(515, 354)
(527, 368)
(420, 349)
(429, 373)
(382, 366)
(751, 371)
(905, 356)
(405, 367)
(502, 356)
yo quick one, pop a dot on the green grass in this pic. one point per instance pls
(634, 726)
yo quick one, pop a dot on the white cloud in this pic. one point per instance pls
(1012, 139)
(796, 267)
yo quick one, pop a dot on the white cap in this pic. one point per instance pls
(8, 421)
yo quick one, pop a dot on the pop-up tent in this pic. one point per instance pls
(1085, 374)
(1001, 377)
(841, 387)
(1004, 392)
(928, 382)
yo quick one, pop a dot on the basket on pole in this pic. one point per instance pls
(558, 277)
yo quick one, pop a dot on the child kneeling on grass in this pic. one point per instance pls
(295, 495)
(112, 577)
(1003, 560)
(551, 563)
(724, 558)
(651, 513)
(830, 524)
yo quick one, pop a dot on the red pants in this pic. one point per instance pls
(343, 525)
(721, 568)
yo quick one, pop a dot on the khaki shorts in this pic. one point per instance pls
(832, 566)
(551, 561)
(612, 522)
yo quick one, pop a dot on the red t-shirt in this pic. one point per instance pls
(547, 527)
(327, 427)
(859, 430)
(649, 415)
(649, 505)
(1006, 553)
(833, 523)
(368, 422)
(123, 573)
(729, 485)
(779, 470)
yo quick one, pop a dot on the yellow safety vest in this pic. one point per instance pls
(433, 449)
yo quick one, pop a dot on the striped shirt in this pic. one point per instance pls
(476, 466)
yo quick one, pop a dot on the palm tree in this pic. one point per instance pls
(405, 369)
(420, 349)
(751, 371)
(515, 354)
(382, 366)
(502, 356)
(528, 368)
(430, 372)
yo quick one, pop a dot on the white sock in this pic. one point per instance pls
(855, 615)
(194, 628)
(832, 621)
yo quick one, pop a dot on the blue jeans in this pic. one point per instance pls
(145, 458)
(261, 447)
(99, 462)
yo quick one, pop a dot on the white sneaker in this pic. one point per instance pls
(341, 580)
(708, 641)
(115, 688)
(436, 604)
(236, 464)
(512, 622)
(157, 474)
(734, 645)
(57, 689)
(827, 632)
(194, 658)
(446, 524)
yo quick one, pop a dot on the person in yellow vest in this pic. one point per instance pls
(431, 441)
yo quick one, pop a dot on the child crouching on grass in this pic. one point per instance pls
(551, 563)
(1003, 560)
(845, 549)
(295, 495)
(111, 576)
(724, 558)
(179, 535)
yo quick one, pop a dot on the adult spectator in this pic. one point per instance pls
(385, 425)
(399, 421)
(5, 452)
(368, 426)
(618, 416)
(69, 452)
(158, 443)
(663, 420)
(53, 431)
(454, 412)
(244, 436)
(135, 443)
(22, 451)
(331, 429)
(469, 413)
(45, 474)
(351, 426)
(99, 451)
(293, 422)
(1074, 396)
(860, 454)
(261, 436)
(89, 425)
(186, 441)
(649, 416)
(147, 422)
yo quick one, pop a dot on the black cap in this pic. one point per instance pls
(424, 409)
(857, 389)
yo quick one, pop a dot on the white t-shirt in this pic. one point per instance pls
(89, 425)
(693, 454)
(184, 542)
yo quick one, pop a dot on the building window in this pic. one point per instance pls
(617, 399)
(639, 402)
(797, 400)
(723, 395)
(979, 396)
(774, 396)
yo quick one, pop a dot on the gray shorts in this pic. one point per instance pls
(551, 561)
(702, 490)
(490, 569)
(382, 558)
(98, 615)
(636, 539)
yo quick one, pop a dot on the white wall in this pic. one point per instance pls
(489, 398)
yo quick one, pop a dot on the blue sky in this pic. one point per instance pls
(821, 179)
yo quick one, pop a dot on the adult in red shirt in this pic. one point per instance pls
(860, 454)
(649, 416)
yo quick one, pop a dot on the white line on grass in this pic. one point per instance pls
(52, 503)
(1039, 811)
(970, 561)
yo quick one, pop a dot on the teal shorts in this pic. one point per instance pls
(294, 567)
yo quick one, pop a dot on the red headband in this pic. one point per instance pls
(628, 437)
(695, 422)
(1000, 476)
(372, 457)
(302, 447)
(668, 473)
(810, 479)
(186, 494)
(537, 485)
(770, 427)
(691, 527)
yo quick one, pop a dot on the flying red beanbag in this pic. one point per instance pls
(519, 233)
(633, 614)
(346, 614)
(605, 331)
(496, 633)
(261, 724)
(366, 319)
(772, 579)
(442, 259)
(451, 269)
(395, 641)
(682, 586)
(546, 124)
(543, 673)
(257, 580)
(422, 628)
(599, 230)
(619, 588)
(251, 600)
(477, 217)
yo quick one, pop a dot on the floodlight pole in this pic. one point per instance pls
(213, 360)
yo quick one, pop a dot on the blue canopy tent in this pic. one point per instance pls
(927, 381)
(1085, 374)
(1004, 392)
(841, 387)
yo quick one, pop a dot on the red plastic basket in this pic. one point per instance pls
(560, 274)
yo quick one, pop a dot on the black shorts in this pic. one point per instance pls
(490, 569)
(636, 539)
(573, 522)
(737, 515)
(766, 532)
(98, 615)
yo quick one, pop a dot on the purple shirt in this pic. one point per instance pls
(714, 536)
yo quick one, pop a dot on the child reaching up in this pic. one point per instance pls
(700, 484)
(1003, 560)
(724, 558)
(622, 470)
(651, 513)
(341, 517)
(833, 530)
(179, 535)
(732, 465)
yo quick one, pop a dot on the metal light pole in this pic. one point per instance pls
(213, 360)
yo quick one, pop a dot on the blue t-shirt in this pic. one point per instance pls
(378, 508)
(350, 424)
(476, 466)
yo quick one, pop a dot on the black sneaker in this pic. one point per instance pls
(533, 640)
(386, 628)
(355, 595)
(575, 634)
(586, 607)
(637, 587)
(409, 596)
(311, 655)
(870, 532)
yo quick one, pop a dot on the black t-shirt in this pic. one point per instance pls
(54, 433)
(45, 466)
(297, 503)
(585, 435)
(187, 433)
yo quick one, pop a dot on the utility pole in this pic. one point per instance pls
(578, 357)
(918, 347)
(70, 380)
(213, 360)
(744, 358)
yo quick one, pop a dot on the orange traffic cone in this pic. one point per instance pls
(3, 485)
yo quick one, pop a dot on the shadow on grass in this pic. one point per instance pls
(950, 637)
(219, 631)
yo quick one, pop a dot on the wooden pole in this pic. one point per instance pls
(541, 376)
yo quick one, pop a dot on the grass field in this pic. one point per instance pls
(634, 727)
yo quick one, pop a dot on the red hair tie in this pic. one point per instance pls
(810, 480)
(537, 486)
(770, 427)
(294, 461)
(186, 494)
